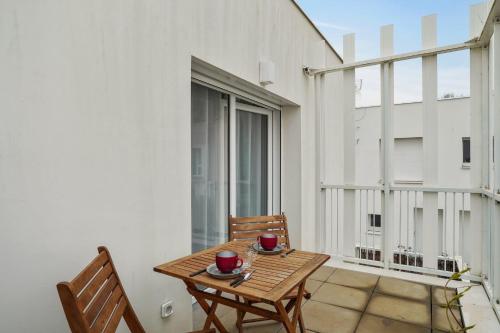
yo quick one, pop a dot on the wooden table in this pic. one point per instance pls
(274, 277)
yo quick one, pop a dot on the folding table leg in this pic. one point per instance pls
(298, 306)
(204, 305)
(211, 317)
(211, 312)
(239, 317)
(284, 317)
(301, 323)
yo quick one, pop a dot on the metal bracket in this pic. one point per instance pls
(307, 71)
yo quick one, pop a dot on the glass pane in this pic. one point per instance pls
(209, 171)
(251, 163)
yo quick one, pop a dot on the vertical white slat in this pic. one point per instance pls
(328, 220)
(472, 248)
(430, 142)
(496, 115)
(320, 235)
(387, 138)
(407, 244)
(349, 227)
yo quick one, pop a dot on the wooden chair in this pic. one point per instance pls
(95, 301)
(249, 228)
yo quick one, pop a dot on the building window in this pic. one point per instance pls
(466, 151)
(408, 160)
(375, 221)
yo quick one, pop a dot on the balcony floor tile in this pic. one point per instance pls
(323, 318)
(322, 274)
(404, 289)
(345, 301)
(440, 321)
(351, 298)
(353, 279)
(370, 324)
(438, 295)
(417, 313)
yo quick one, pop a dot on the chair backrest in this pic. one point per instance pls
(95, 301)
(246, 228)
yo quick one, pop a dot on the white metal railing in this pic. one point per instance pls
(426, 230)
(364, 241)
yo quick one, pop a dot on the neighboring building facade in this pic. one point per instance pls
(454, 165)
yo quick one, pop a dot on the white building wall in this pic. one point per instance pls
(454, 117)
(95, 139)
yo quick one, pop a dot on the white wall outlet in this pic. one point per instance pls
(167, 309)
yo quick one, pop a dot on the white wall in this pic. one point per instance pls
(95, 139)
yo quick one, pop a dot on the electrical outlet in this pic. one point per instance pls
(167, 309)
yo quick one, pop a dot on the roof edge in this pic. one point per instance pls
(317, 30)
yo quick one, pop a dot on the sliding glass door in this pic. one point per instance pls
(253, 160)
(234, 162)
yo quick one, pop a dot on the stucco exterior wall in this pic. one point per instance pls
(95, 138)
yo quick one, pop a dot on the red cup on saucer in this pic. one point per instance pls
(268, 241)
(226, 261)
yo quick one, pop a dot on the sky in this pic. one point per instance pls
(365, 17)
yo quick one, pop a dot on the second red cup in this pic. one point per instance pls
(268, 241)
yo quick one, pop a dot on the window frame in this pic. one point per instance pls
(372, 227)
(465, 164)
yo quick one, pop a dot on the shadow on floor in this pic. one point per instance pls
(345, 301)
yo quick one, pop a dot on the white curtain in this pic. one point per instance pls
(209, 166)
(251, 163)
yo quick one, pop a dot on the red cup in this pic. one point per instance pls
(226, 261)
(268, 241)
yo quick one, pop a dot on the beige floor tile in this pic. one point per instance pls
(373, 324)
(353, 279)
(402, 288)
(322, 273)
(229, 322)
(346, 297)
(440, 321)
(199, 315)
(313, 285)
(323, 318)
(438, 295)
(400, 309)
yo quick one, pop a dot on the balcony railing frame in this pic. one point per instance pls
(484, 193)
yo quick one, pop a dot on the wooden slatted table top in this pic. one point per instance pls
(274, 276)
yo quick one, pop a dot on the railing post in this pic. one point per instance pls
(430, 143)
(319, 89)
(473, 232)
(349, 225)
(387, 137)
(496, 115)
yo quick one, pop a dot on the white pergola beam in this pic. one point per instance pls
(430, 143)
(430, 51)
